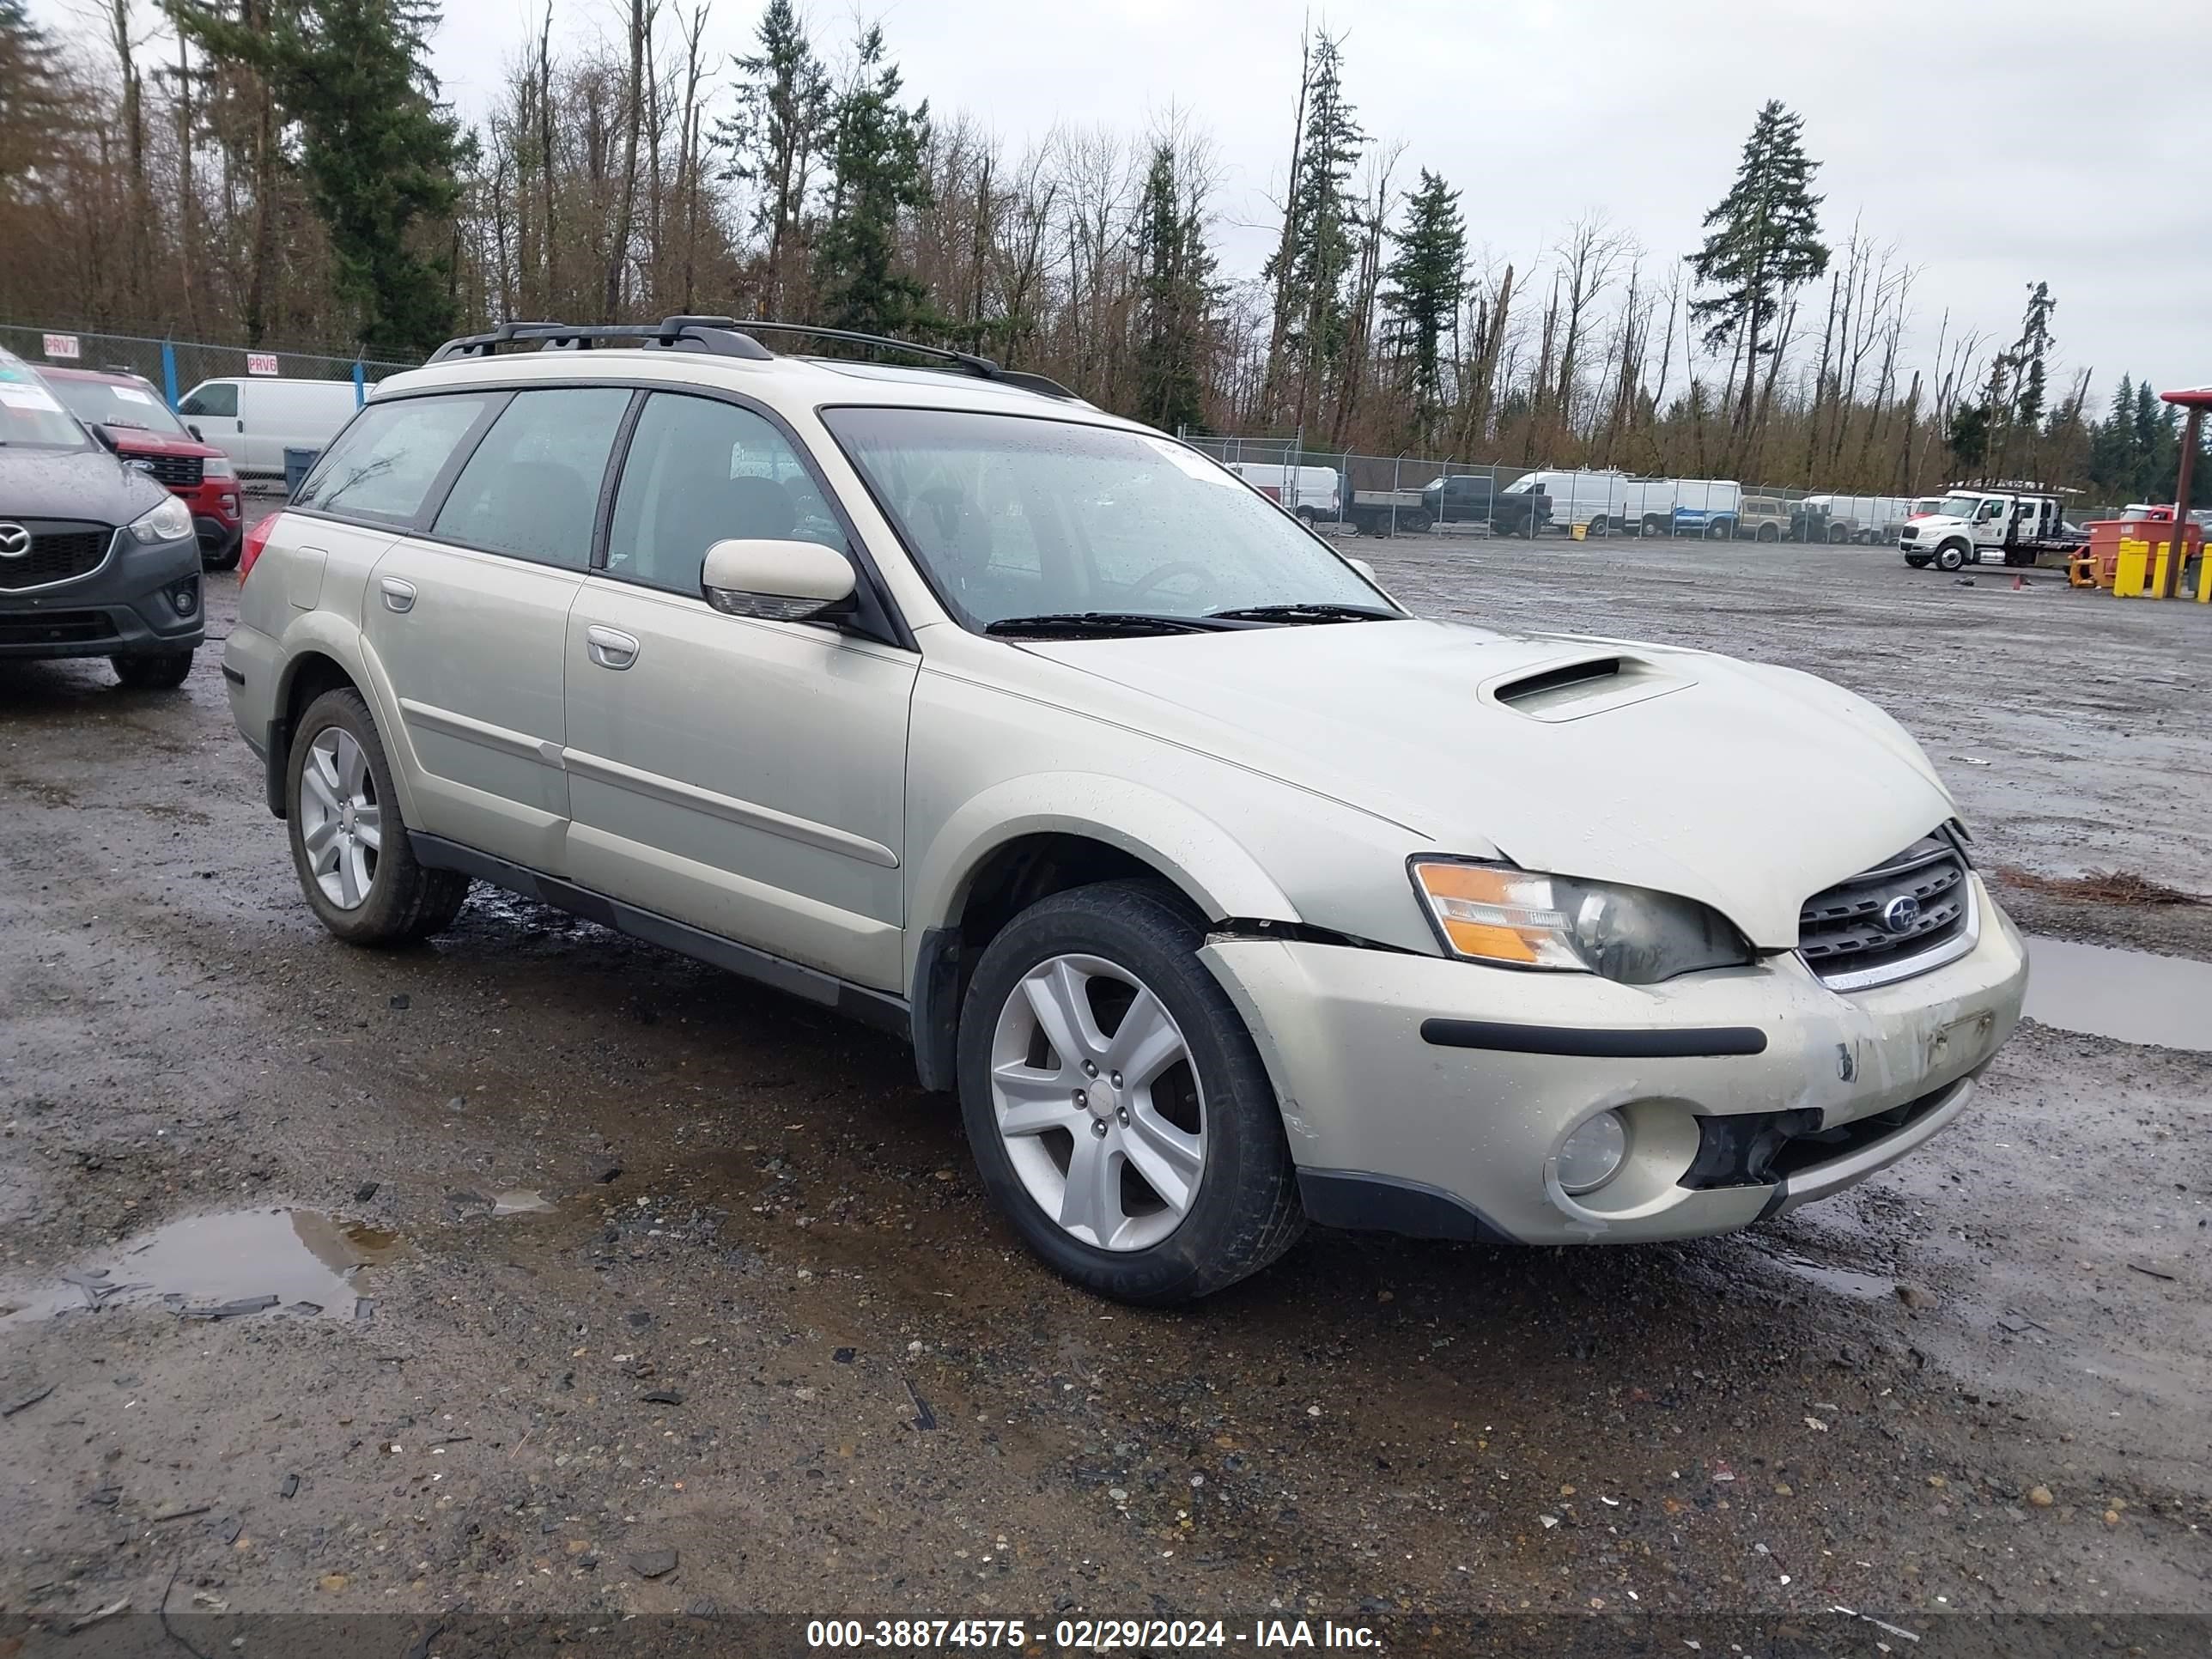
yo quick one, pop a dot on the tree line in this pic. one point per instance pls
(283, 171)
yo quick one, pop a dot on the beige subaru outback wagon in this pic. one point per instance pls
(1226, 894)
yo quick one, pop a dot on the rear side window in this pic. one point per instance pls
(532, 486)
(700, 471)
(382, 466)
(218, 401)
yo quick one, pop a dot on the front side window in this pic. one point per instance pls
(532, 486)
(1011, 517)
(700, 471)
(217, 402)
(383, 464)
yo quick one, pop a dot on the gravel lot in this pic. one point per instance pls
(681, 1299)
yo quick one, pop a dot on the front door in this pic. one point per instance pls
(747, 778)
(469, 622)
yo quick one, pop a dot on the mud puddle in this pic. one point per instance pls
(222, 1266)
(2131, 996)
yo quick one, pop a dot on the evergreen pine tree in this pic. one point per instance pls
(34, 104)
(876, 172)
(1762, 242)
(1175, 294)
(1309, 271)
(1426, 282)
(379, 152)
(777, 135)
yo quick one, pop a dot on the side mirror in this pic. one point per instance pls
(193, 429)
(779, 580)
(1365, 569)
(103, 437)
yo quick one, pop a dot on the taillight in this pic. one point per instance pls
(256, 539)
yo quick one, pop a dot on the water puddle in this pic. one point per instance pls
(2131, 996)
(224, 1267)
(1843, 1281)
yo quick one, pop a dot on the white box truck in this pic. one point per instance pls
(1316, 493)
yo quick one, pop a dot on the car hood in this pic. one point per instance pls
(1938, 521)
(83, 485)
(1744, 787)
(138, 440)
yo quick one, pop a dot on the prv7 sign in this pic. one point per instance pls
(63, 345)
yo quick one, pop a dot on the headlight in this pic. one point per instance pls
(172, 521)
(217, 466)
(1518, 919)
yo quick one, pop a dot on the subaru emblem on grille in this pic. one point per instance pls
(1899, 913)
(15, 542)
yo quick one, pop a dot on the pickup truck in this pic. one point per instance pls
(1475, 498)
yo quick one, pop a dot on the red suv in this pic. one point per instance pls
(128, 412)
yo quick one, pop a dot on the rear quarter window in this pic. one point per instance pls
(382, 465)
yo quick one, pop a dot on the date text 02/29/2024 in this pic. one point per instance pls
(1084, 1635)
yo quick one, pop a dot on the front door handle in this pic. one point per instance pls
(610, 648)
(398, 595)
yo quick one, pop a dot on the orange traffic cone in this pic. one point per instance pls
(2019, 581)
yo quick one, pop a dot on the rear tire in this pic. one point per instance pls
(1768, 533)
(1205, 1121)
(345, 829)
(163, 670)
(1599, 526)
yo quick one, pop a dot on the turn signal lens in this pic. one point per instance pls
(1498, 914)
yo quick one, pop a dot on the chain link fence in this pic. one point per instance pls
(177, 366)
(1410, 495)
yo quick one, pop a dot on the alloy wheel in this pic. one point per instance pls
(1097, 1103)
(340, 823)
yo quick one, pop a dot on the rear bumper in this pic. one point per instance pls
(128, 607)
(1433, 1097)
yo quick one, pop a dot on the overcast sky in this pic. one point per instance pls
(1996, 142)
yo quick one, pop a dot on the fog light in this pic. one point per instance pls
(185, 597)
(1592, 1155)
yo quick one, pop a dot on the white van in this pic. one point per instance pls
(255, 418)
(1314, 493)
(1868, 518)
(1597, 501)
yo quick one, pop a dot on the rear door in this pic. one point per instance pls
(743, 777)
(467, 614)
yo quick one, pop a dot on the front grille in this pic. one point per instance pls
(55, 557)
(178, 471)
(55, 628)
(1884, 917)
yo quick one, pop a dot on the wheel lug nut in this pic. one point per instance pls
(1117, 1079)
(1089, 1070)
(1098, 1127)
(1123, 1115)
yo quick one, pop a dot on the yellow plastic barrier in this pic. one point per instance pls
(1579, 531)
(2141, 572)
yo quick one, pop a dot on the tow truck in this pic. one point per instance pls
(2012, 521)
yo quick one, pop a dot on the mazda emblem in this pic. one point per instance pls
(1899, 913)
(15, 542)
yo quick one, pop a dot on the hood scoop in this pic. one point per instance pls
(1581, 686)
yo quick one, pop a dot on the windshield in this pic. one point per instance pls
(1013, 517)
(1959, 507)
(104, 402)
(30, 417)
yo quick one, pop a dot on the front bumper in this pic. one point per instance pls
(127, 607)
(1431, 1096)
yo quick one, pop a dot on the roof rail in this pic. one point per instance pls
(729, 337)
(967, 361)
(713, 334)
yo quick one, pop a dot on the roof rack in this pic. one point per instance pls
(968, 362)
(713, 334)
(728, 337)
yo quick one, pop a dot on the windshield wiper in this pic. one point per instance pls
(1074, 624)
(1319, 613)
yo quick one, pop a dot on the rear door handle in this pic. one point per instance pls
(610, 648)
(398, 595)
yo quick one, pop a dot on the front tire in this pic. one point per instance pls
(1917, 561)
(1950, 556)
(350, 846)
(1117, 1108)
(164, 670)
